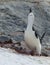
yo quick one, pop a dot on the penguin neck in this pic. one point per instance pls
(30, 22)
(29, 26)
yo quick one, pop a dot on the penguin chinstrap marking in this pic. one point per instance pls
(31, 40)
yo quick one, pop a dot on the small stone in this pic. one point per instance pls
(19, 44)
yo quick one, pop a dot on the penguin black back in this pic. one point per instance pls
(36, 35)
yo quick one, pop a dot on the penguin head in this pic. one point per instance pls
(30, 10)
(31, 16)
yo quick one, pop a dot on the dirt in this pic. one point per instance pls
(18, 47)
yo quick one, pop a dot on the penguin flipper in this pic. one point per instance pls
(42, 36)
(36, 34)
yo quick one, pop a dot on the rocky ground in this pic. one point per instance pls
(13, 19)
(20, 47)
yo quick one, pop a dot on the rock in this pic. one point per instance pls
(5, 38)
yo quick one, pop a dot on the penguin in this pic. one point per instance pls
(30, 36)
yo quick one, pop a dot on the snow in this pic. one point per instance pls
(7, 57)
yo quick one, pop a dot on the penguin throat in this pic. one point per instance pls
(30, 25)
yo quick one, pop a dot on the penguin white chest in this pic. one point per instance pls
(32, 42)
(30, 39)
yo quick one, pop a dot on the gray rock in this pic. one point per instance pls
(4, 38)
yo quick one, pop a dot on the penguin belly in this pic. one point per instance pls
(32, 42)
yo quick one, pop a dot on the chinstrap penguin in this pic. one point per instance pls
(30, 36)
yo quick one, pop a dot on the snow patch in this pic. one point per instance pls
(7, 58)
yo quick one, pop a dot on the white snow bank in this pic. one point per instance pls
(9, 58)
